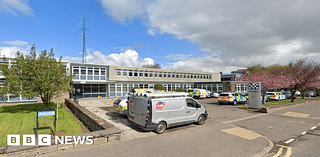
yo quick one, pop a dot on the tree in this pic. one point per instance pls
(155, 66)
(305, 73)
(159, 87)
(34, 74)
(267, 78)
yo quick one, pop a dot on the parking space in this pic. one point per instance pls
(217, 114)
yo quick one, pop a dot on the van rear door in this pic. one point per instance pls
(138, 110)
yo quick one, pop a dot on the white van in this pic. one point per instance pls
(158, 111)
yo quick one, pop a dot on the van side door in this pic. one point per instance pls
(192, 110)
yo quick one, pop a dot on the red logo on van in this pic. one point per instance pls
(160, 105)
(131, 104)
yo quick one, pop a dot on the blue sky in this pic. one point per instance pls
(202, 35)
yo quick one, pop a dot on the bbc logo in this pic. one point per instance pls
(28, 140)
(45, 140)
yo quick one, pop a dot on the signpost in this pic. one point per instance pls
(254, 92)
(45, 113)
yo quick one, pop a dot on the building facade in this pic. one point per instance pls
(97, 81)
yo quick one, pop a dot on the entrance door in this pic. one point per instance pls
(78, 91)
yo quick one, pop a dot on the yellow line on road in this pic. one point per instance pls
(279, 152)
(288, 153)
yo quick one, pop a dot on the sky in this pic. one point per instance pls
(202, 35)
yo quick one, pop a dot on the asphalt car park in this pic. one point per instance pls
(216, 114)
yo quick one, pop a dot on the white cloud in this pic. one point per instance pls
(16, 43)
(15, 7)
(243, 32)
(125, 10)
(129, 58)
(10, 52)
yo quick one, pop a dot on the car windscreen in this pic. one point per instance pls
(269, 93)
(224, 94)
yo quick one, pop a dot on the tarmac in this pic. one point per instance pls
(104, 109)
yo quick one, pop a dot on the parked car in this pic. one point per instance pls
(157, 112)
(310, 94)
(209, 94)
(297, 93)
(230, 97)
(287, 94)
(215, 94)
(275, 96)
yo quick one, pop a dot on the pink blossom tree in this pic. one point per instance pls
(269, 79)
(305, 75)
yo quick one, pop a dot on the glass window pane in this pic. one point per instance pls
(87, 88)
(124, 73)
(130, 73)
(94, 88)
(146, 73)
(135, 73)
(118, 72)
(140, 73)
(151, 74)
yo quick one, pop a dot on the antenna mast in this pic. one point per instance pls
(83, 28)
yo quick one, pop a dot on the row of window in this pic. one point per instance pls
(159, 74)
(89, 73)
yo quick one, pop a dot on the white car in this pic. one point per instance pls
(215, 94)
(209, 94)
(297, 93)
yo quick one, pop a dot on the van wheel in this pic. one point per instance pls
(161, 128)
(247, 101)
(267, 100)
(201, 120)
(235, 103)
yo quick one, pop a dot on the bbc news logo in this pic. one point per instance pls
(45, 140)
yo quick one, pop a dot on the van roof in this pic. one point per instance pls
(165, 94)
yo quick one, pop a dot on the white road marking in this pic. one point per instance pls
(303, 133)
(314, 127)
(287, 142)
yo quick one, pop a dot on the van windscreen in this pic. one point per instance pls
(224, 94)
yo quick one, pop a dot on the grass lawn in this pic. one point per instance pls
(22, 118)
(274, 103)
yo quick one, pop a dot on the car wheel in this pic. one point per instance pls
(267, 100)
(201, 120)
(247, 101)
(235, 103)
(161, 128)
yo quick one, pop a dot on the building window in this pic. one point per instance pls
(191, 75)
(160, 74)
(140, 73)
(96, 74)
(90, 74)
(188, 75)
(169, 75)
(173, 75)
(155, 74)
(76, 72)
(118, 71)
(181, 75)
(124, 73)
(103, 74)
(135, 73)
(130, 73)
(165, 75)
(210, 76)
(146, 73)
(151, 74)
(177, 75)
